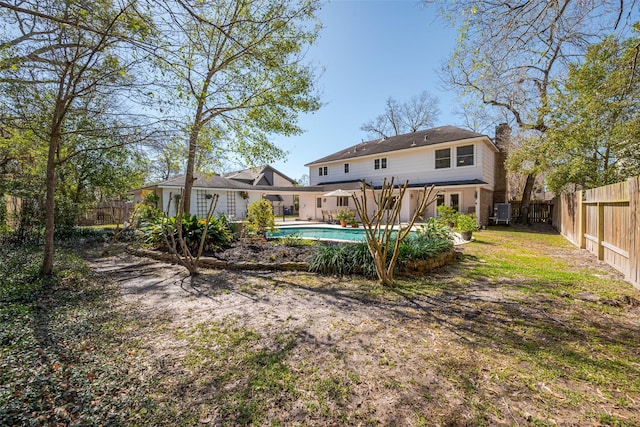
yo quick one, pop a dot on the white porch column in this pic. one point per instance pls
(478, 204)
(405, 210)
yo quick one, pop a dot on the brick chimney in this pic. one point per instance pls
(502, 141)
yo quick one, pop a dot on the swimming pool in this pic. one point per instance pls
(321, 233)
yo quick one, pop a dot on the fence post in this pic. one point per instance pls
(600, 230)
(581, 213)
(634, 226)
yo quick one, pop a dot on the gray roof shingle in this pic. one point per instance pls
(421, 138)
(203, 181)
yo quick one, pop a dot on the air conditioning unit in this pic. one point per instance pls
(501, 212)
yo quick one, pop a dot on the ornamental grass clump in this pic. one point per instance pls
(355, 258)
(338, 258)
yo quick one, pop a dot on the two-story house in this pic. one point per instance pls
(465, 167)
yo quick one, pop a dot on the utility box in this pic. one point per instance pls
(501, 213)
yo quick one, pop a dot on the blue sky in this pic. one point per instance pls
(369, 50)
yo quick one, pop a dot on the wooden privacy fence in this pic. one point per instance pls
(606, 222)
(539, 210)
(114, 212)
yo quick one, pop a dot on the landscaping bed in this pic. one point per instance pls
(255, 254)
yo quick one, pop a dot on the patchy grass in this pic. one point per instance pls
(523, 330)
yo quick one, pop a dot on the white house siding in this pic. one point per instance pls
(489, 162)
(308, 206)
(167, 194)
(467, 201)
(416, 165)
(221, 207)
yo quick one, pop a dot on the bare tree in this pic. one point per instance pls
(510, 55)
(419, 112)
(383, 229)
(174, 239)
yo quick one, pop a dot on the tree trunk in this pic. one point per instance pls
(526, 200)
(49, 225)
(50, 199)
(189, 178)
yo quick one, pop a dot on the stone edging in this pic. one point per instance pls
(428, 265)
(416, 267)
(216, 263)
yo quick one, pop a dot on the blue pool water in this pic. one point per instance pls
(321, 233)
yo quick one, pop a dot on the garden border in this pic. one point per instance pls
(416, 267)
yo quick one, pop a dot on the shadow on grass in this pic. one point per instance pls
(62, 357)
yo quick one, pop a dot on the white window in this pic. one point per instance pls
(449, 199)
(346, 168)
(380, 163)
(323, 171)
(319, 202)
(454, 201)
(464, 155)
(343, 201)
(443, 158)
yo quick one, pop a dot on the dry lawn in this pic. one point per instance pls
(523, 330)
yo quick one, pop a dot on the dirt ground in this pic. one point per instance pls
(458, 351)
(255, 250)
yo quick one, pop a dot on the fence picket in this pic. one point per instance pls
(606, 222)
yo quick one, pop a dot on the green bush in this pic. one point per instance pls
(467, 223)
(147, 211)
(355, 258)
(448, 214)
(346, 215)
(435, 228)
(260, 217)
(219, 233)
(69, 235)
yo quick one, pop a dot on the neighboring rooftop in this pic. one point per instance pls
(261, 175)
(421, 138)
(204, 181)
